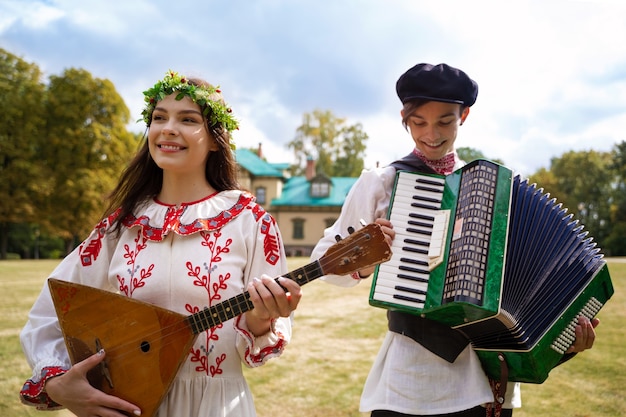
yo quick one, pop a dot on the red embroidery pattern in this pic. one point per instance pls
(134, 281)
(257, 211)
(265, 353)
(172, 220)
(33, 392)
(89, 251)
(214, 287)
(271, 245)
(443, 166)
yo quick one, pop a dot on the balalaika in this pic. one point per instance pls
(496, 258)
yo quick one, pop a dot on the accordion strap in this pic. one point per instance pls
(443, 341)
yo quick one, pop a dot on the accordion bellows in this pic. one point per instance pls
(510, 267)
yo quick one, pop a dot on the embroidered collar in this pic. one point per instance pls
(442, 166)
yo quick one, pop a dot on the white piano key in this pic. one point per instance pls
(406, 292)
(395, 286)
(396, 264)
(390, 299)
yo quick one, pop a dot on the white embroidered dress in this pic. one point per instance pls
(183, 259)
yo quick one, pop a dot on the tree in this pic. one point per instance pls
(338, 149)
(88, 146)
(22, 181)
(468, 154)
(615, 243)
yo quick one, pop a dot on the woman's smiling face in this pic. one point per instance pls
(434, 126)
(178, 137)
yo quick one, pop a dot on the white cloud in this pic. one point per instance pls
(37, 16)
(552, 75)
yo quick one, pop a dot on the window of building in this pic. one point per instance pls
(261, 195)
(329, 222)
(320, 187)
(298, 228)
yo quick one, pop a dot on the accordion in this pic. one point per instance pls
(496, 258)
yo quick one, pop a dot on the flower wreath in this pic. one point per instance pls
(207, 97)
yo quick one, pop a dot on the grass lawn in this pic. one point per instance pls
(336, 337)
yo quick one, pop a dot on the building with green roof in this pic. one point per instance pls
(302, 206)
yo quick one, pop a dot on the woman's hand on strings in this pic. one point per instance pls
(73, 391)
(271, 299)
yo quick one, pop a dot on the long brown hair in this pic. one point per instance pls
(142, 179)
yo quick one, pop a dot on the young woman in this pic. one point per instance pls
(424, 368)
(178, 233)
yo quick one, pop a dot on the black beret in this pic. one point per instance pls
(438, 83)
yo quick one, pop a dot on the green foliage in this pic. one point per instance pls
(468, 154)
(209, 98)
(62, 147)
(88, 146)
(338, 149)
(615, 242)
(22, 182)
(349, 161)
(27, 242)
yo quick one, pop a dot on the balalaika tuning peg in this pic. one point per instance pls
(337, 238)
(350, 229)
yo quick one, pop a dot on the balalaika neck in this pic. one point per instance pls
(210, 317)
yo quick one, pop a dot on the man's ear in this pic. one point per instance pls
(464, 114)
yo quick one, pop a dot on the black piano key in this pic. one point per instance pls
(411, 299)
(416, 270)
(422, 224)
(426, 199)
(429, 189)
(422, 216)
(415, 250)
(413, 278)
(423, 180)
(424, 206)
(416, 242)
(419, 231)
(414, 261)
(410, 290)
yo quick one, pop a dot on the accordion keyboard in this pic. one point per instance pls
(420, 227)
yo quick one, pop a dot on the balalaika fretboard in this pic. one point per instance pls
(496, 258)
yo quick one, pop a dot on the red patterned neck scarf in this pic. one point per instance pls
(442, 166)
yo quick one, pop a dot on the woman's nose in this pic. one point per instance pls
(169, 129)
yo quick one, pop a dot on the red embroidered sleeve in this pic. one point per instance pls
(257, 355)
(32, 393)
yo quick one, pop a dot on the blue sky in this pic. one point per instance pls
(552, 74)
